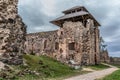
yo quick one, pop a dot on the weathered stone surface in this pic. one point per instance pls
(40, 43)
(12, 33)
(115, 60)
(104, 56)
(73, 41)
(1, 66)
(77, 39)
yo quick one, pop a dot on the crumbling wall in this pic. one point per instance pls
(104, 56)
(12, 33)
(114, 60)
(74, 41)
(41, 43)
(84, 40)
(72, 36)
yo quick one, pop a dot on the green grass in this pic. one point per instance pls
(117, 65)
(48, 69)
(98, 67)
(114, 76)
(49, 66)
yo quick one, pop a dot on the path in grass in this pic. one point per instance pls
(94, 75)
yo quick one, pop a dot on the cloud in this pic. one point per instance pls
(37, 14)
(115, 54)
(48, 7)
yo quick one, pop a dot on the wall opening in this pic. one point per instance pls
(56, 45)
(10, 20)
(95, 59)
(61, 33)
(71, 46)
(61, 51)
(45, 44)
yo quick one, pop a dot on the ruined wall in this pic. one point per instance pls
(12, 33)
(40, 43)
(115, 60)
(84, 40)
(73, 41)
(93, 42)
(104, 56)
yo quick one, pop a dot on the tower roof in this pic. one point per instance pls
(81, 13)
(74, 13)
(72, 9)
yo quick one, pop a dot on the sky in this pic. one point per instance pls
(36, 14)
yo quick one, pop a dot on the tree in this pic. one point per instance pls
(102, 44)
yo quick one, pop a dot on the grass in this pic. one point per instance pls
(47, 69)
(50, 68)
(114, 76)
(98, 67)
(117, 65)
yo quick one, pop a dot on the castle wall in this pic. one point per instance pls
(73, 41)
(12, 33)
(114, 60)
(104, 56)
(40, 43)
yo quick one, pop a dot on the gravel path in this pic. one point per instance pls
(94, 75)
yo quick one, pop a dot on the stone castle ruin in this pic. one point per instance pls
(12, 33)
(104, 56)
(77, 40)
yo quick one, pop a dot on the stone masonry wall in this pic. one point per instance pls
(104, 56)
(84, 40)
(72, 42)
(115, 60)
(12, 33)
(41, 43)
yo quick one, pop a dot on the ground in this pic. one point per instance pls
(44, 68)
(39, 68)
(114, 76)
(95, 75)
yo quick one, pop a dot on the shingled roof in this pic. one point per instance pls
(73, 8)
(73, 13)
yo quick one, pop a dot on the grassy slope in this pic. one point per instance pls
(114, 76)
(117, 65)
(98, 67)
(51, 68)
(47, 68)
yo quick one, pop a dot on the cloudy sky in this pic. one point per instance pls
(37, 13)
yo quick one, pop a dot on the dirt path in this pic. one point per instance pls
(94, 75)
